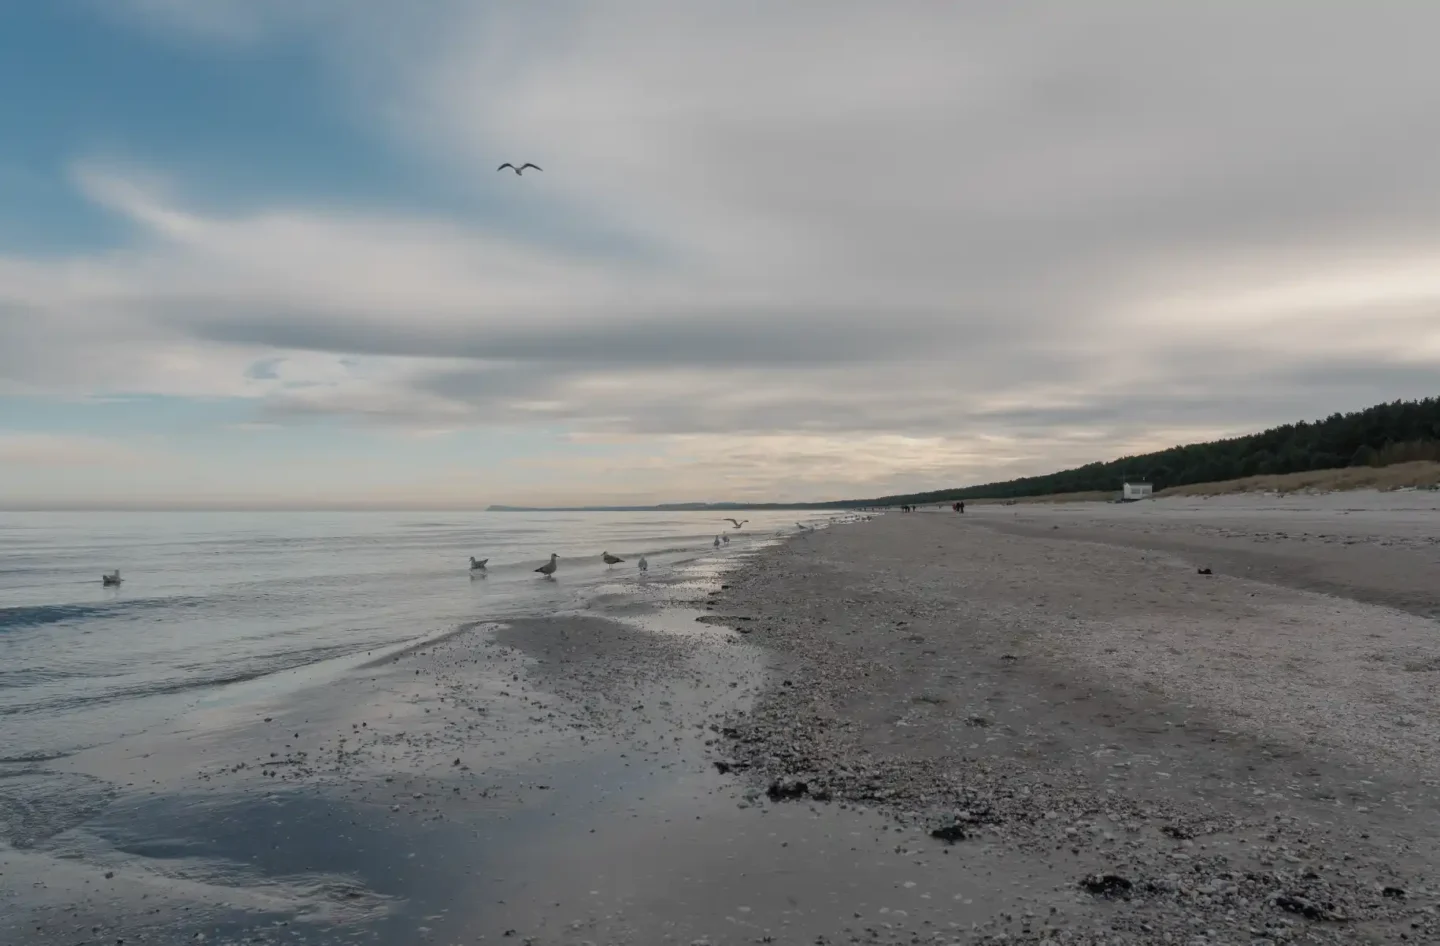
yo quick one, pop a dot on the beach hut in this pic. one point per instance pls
(1130, 492)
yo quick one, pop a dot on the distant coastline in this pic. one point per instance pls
(681, 507)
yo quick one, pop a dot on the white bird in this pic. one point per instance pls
(644, 565)
(725, 539)
(609, 559)
(548, 569)
(111, 578)
(717, 541)
(521, 168)
(477, 564)
(737, 524)
(804, 528)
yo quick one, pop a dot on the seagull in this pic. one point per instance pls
(804, 528)
(520, 169)
(725, 539)
(737, 524)
(644, 565)
(609, 559)
(717, 541)
(548, 569)
(111, 579)
(477, 564)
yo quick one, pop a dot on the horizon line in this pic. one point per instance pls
(389, 507)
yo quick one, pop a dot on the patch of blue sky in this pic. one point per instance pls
(235, 127)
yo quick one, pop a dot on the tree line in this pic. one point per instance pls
(1396, 432)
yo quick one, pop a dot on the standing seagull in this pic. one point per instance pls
(548, 569)
(477, 564)
(521, 169)
(609, 559)
(717, 541)
(725, 539)
(644, 565)
(737, 524)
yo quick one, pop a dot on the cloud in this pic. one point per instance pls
(1012, 237)
(41, 450)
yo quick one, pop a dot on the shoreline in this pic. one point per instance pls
(1088, 749)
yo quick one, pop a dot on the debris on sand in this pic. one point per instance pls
(1309, 909)
(787, 789)
(950, 833)
(1109, 886)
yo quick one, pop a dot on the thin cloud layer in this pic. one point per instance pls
(1019, 238)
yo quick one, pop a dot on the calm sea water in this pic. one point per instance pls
(216, 601)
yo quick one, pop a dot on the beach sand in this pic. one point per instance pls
(1253, 751)
(1113, 747)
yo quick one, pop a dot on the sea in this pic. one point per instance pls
(218, 606)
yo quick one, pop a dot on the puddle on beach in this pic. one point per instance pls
(576, 851)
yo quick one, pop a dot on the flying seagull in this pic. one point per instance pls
(548, 569)
(609, 559)
(520, 169)
(737, 524)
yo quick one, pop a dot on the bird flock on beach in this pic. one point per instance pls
(478, 566)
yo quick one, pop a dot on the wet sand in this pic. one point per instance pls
(1236, 757)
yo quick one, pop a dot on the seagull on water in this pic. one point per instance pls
(521, 169)
(477, 564)
(644, 565)
(717, 541)
(548, 569)
(111, 579)
(609, 559)
(725, 539)
(737, 524)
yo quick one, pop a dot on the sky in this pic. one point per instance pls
(257, 251)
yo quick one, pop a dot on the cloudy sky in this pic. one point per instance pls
(257, 250)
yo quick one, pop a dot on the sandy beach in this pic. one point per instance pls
(1024, 724)
(1249, 753)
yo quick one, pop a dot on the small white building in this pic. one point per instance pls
(1133, 491)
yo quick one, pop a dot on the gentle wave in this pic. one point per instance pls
(27, 758)
(198, 681)
(32, 676)
(37, 615)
